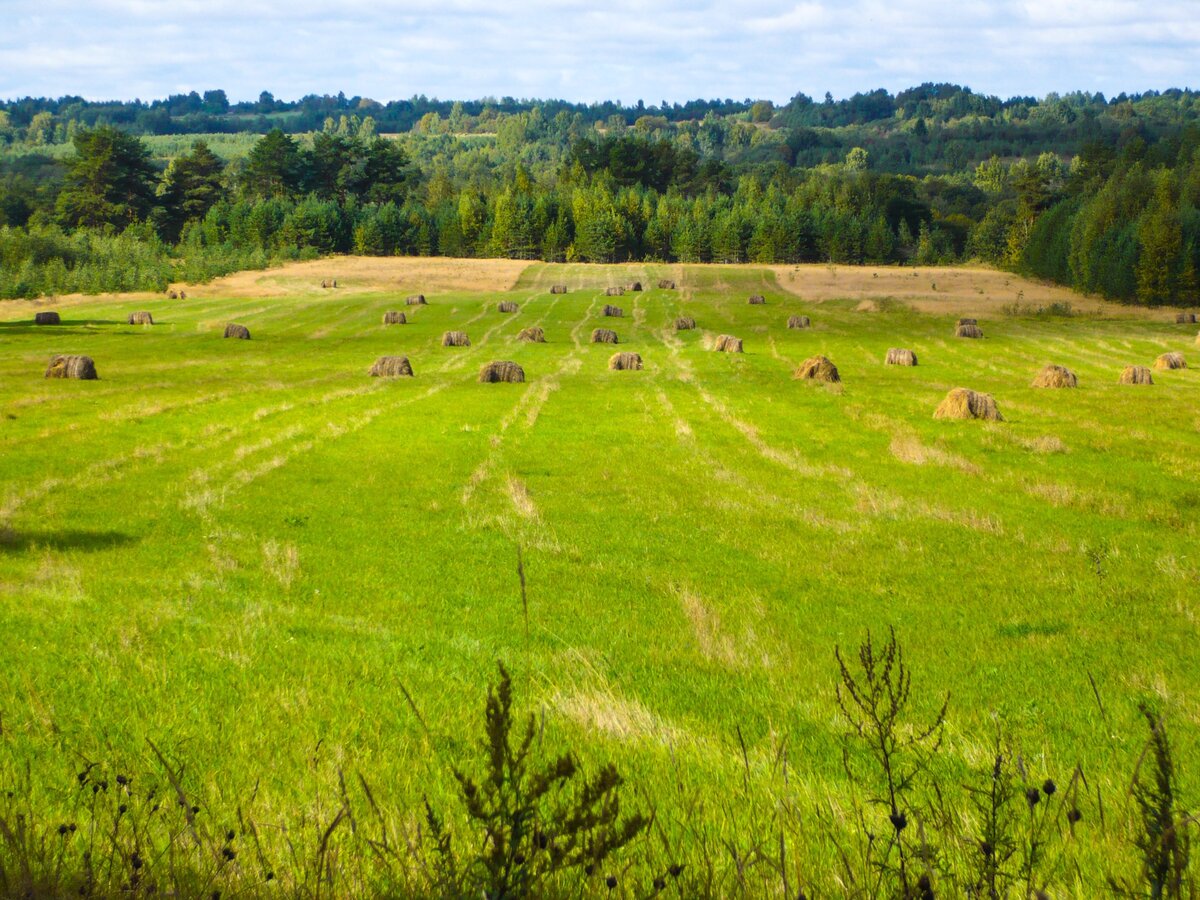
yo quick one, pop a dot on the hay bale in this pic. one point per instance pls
(1136, 375)
(334, 283)
(757, 300)
(456, 339)
(324, 283)
(1171, 361)
(241, 332)
(966, 322)
(666, 284)
(1185, 319)
(141, 318)
(685, 323)
(391, 367)
(968, 331)
(799, 321)
(171, 295)
(394, 317)
(71, 366)
(46, 318)
(614, 291)
(532, 335)
(604, 336)
(636, 286)
(818, 368)
(899, 356)
(415, 300)
(558, 288)
(183, 295)
(507, 306)
(1056, 377)
(615, 311)
(627, 361)
(961, 403)
(503, 370)
(727, 343)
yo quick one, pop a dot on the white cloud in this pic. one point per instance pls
(580, 50)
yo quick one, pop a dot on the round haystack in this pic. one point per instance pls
(818, 368)
(685, 323)
(757, 300)
(666, 284)
(1185, 319)
(391, 367)
(394, 317)
(636, 286)
(1171, 361)
(961, 403)
(241, 332)
(456, 339)
(614, 291)
(966, 322)
(182, 295)
(46, 318)
(324, 283)
(604, 336)
(619, 362)
(71, 366)
(415, 300)
(141, 318)
(171, 295)
(507, 306)
(1056, 377)
(501, 371)
(558, 288)
(799, 321)
(899, 356)
(968, 331)
(615, 311)
(532, 335)
(727, 343)
(1136, 375)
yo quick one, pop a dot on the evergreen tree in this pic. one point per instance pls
(109, 181)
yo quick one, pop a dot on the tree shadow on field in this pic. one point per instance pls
(66, 326)
(14, 541)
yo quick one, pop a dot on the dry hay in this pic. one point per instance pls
(604, 336)
(757, 300)
(727, 343)
(962, 403)
(966, 322)
(968, 331)
(183, 295)
(415, 300)
(899, 356)
(140, 318)
(636, 286)
(394, 317)
(1056, 377)
(1136, 375)
(1185, 319)
(619, 362)
(46, 318)
(867, 306)
(614, 291)
(685, 323)
(70, 366)
(501, 371)
(171, 295)
(614, 311)
(818, 368)
(799, 321)
(532, 335)
(456, 339)
(1171, 361)
(507, 306)
(233, 330)
(391, 367)
(666, 284)
(558, 288)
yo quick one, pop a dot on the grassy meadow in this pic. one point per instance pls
(247, 551)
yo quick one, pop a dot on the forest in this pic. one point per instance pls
(1099, 194)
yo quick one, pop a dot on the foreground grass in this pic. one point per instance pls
(247, 552)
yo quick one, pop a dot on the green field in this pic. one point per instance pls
(242, 549)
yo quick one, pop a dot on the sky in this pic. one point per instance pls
(589, 50)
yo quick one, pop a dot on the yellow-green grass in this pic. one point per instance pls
(241, 549)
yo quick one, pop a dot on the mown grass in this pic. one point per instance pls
(242, 550)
